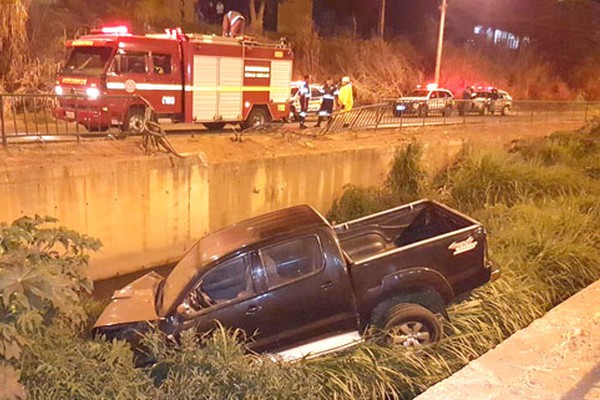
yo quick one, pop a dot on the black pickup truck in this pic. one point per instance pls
(301, 286)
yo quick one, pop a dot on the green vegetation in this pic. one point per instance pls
(540, 204)
(42, 278)
(405, 183)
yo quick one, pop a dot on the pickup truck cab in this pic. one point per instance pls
(300, 286)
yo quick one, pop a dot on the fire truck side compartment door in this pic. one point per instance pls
(281, 76)
(205, 96)
(230, 93)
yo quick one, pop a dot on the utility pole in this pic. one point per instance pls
(382, 19)
(438, 60)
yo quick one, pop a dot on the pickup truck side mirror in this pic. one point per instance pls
(183, 309)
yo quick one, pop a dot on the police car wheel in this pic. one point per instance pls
(505, 111)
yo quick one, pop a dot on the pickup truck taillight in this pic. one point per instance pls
(489, 264)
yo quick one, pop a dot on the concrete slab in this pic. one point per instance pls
(557, 357)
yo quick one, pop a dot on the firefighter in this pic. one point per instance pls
(233, 24)
(303, 95)
(329, 91)
(345, 97)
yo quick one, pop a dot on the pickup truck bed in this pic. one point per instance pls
(379, 233)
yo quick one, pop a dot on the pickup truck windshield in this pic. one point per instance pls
(88, 61)
(184, 271)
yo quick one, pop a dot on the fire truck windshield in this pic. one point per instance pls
(89, 61)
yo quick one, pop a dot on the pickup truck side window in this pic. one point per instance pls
(228, 281)
(293, 260)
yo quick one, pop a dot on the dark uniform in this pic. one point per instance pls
(330, 91)
(494, 96)
(465, 105)
(304, 97)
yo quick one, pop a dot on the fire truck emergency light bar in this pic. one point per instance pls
(115, 30)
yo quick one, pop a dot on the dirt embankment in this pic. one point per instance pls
(215, 148)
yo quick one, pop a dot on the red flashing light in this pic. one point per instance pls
(115, 30)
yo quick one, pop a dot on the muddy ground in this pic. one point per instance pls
(219, 147)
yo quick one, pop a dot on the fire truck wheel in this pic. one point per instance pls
(214, 126)
(134, 121)
(258, 116)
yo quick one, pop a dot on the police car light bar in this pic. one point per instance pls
(432, 86)
(115, 30)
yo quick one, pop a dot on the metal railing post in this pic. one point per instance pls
(76, 119)
(2, 127)
(585, 115)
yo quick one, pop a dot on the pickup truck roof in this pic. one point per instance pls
(263, 227)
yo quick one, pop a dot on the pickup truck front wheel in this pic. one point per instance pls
(410, 325)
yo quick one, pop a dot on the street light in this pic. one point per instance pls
(382, 19)
(438, 60)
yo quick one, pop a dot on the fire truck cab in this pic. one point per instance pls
(110, 76)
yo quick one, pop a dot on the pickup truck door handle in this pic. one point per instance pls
(327, 285)
(253, 310)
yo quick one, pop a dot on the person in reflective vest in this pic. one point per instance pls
(345, 97)
(233, 24)
(329, 91)
(304, 98)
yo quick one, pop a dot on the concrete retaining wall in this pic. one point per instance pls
(147, 211)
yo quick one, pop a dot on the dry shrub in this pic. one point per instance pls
(378, 69)
(523, 73)
(463, 68)
(307, 50)
(14, 44)
(585, 78)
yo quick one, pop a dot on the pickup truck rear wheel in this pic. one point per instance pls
(410, 325)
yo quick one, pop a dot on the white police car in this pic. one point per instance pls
(424, 101)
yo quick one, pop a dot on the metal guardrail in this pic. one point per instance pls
(48, 117)
(386, 115)
(41, 117)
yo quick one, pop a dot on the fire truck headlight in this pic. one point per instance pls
(92, 93)
(58, 90)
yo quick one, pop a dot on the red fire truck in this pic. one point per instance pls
(191, 78)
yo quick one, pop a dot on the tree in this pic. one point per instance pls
(14, 15)
(258, 8)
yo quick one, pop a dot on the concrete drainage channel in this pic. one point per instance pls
(158, 197)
